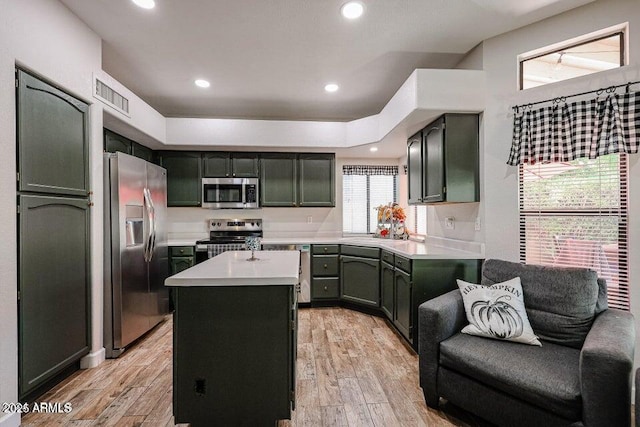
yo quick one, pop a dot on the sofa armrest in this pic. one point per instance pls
(439, 319)
(606, 361)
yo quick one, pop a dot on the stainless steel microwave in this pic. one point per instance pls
(230, 193)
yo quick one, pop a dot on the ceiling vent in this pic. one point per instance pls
(111, 97)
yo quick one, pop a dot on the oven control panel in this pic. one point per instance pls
(235, 224)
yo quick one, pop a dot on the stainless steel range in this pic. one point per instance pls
(227, 235)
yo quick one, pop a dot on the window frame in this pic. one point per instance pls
(621, 30)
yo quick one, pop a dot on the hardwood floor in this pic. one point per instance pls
(352, 370)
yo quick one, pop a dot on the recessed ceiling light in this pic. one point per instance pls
(145, 4)
(331, 87)
(373, 149)
(352, 10)
(202, 83)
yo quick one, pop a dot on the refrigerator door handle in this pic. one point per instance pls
(152, 216)
(148, 239)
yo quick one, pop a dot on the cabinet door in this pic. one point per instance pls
(414, 165)
(141, 152)
(216, 165)
(360, 280)
(114, 143)
(387, 294)
(278, 180)
(184, 184)
(316, 180)
(433, 145)
(52, 129)
(54, 286)
(244, 165)
(179, 264)
(402, 319)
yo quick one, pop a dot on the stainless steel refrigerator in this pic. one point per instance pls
(136, 254)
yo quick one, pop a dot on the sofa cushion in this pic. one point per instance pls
(497, 311)
(547, 376)
(560, 302)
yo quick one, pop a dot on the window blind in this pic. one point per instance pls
(361, 194)
(574, 214)
(417, 219)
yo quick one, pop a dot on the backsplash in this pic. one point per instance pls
(277, 222)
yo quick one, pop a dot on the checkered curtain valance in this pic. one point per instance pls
(369, 170)
(589, 128)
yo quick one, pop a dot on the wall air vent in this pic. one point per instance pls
(111, 97)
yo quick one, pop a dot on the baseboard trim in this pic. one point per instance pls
(92, 360)
(10, 420)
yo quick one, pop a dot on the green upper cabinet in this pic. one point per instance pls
(114, 143)
(444, 167)
(53, 132)
(316, 180)
(306, 179)
(414, 163)
(141, 152)
(216, 164)
(232, 165)
(278, 180)
(184, 183)
(245, 165)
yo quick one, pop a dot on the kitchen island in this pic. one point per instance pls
(234, 341)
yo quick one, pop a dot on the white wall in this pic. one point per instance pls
(43, 36)
(499, 208)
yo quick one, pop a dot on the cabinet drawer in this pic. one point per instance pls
(360, 251)
(182, 251)
(325, 288)
(324, 265)
(403, 263)
(387, 257)
(325, 249)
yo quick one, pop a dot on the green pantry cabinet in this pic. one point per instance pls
(53, 213)
(443, 161)
(384, 282)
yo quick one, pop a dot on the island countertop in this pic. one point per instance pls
(232, 269)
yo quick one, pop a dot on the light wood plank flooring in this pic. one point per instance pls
(352, 370)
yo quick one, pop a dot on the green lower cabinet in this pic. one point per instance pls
(179, 264)
(360, 280)
(402, 318)
(234, 365)
(181, 258)
(387, 294)
(325, 288)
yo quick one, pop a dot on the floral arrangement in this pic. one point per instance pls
(391, 213)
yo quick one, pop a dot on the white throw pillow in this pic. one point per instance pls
(497, 311)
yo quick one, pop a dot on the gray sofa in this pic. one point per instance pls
(580, 376)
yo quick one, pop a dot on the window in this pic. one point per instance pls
(363, 189)
(417, 220)
(574, 59)
(575, 214)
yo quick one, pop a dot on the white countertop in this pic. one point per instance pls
(232, 269)
(434, 248)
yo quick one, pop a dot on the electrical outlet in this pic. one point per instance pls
(477, 226)
(450, 223)
(309, 219)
